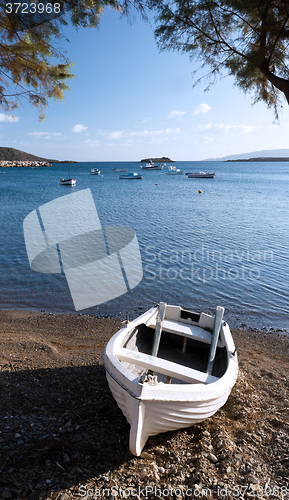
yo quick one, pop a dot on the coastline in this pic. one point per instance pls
(63, 435)
(259, 159)
(26, 163)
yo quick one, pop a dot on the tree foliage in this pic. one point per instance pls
(246, 38)
(32, 65)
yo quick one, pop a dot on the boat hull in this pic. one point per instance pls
(129, 177)
(153, 408)
(158, 416)
(201, 176)
(151, 166)
(68, 182)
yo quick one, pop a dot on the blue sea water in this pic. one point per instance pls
(227, 245)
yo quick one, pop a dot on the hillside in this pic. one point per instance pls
(11, 154)
(269, 154)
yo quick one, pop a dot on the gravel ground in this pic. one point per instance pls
(63, 437)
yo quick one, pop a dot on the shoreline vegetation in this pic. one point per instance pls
(63, 436)
(265, 159)
(157, 160)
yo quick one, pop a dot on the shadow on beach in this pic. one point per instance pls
(58, 426)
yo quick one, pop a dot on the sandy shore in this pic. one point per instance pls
(62, 435)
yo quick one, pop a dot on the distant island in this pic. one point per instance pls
(20, 158)
(258, 159)
(269, 154)
(157, 160)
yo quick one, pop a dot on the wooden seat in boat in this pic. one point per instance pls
(164, 367)
(185, 330)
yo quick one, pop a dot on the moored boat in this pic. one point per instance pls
(68, 182)
(131, 175)
(201, 175)
(120, 170)
(175, 171)
(151, 166)
(95, 171)
(169, 369)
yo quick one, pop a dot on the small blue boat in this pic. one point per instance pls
(131, 175)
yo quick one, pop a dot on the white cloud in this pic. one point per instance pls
(46, 134)
(202, 108)
(145, 133)
(117, 134)
(154, 133)
(123, 138)
(79, 128)
(170, 131)
(120, 134)
(221, 127)
(8, 118)
(147, 119)
(157, 140)
(176, 113)
(90, 142)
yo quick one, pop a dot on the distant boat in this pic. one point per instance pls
(202, 175)
(95, 171)
(131, 175)
(69, 181)
(120, 170)
(175, 171)
(151, 166)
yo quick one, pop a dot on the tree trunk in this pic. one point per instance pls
(278, 82)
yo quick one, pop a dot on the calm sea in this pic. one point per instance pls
(226, 245)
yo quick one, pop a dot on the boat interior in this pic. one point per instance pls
(180, 359)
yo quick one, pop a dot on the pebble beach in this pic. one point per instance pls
(63, 437)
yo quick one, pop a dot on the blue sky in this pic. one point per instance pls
(130, 101)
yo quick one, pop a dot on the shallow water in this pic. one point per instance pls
(227, 245)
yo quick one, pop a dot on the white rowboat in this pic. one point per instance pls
(163, 372)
